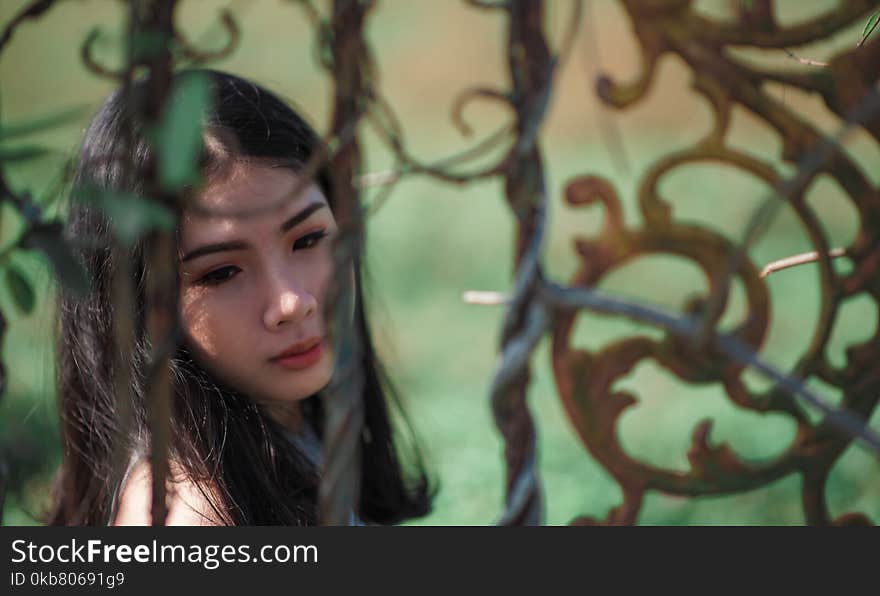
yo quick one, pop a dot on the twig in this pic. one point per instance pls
(806, 61)
(390, 132)
(382, 178)
(529, 125)
(763, 216)
(484, 298)
(468, 95)
(32, 11)
(92, 64)
(489, 4)
(575, 298)
(799, 259)
(196, 56)
(564, 298)
(412, 167)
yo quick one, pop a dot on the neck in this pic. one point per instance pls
(288, 416)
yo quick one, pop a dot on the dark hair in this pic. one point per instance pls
(220, 439)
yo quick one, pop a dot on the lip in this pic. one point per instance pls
(300, 355)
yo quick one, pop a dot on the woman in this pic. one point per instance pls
(254, 353)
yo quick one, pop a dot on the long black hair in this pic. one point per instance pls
(221, 440)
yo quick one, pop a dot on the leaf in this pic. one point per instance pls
(14, 154)
(21, 290)
(130, 215)
(48, 238)
(178, 137)
(870, 26)
(42, 123)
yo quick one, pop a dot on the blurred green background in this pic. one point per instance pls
(432, 241)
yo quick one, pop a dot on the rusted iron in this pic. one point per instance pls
(586, 379)
(34, 10)
(343, 403)
(194, 55)
(156, 18)
(532, 68)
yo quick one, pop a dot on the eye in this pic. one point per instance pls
(309, 240)
(218, 276)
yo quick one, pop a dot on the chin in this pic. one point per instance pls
(309, 382)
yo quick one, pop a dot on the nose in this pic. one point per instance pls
(288, 302)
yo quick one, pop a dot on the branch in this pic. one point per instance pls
(799, 259)
(566, 299)
(92, 64)
(439, 168)
(806, 61)
(482, 298)
(563, 298)
(407, 164)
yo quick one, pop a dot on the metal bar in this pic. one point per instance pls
(343, 401)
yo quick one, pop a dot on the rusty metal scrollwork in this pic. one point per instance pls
(586, 380)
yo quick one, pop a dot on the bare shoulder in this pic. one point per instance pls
(186, 501)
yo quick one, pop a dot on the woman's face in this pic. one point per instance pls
(252, 288)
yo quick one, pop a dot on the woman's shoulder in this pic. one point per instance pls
(187, 502)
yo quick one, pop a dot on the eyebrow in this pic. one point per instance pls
(229, 245)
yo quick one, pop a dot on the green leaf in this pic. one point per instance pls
(48, 239)
(872, 22)
(28, 152)
(42, 123)
(178, 137)
(130, 215)
(21, 290)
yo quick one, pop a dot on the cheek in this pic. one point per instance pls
(201, 319)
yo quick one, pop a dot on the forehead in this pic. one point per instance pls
(261, 194)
